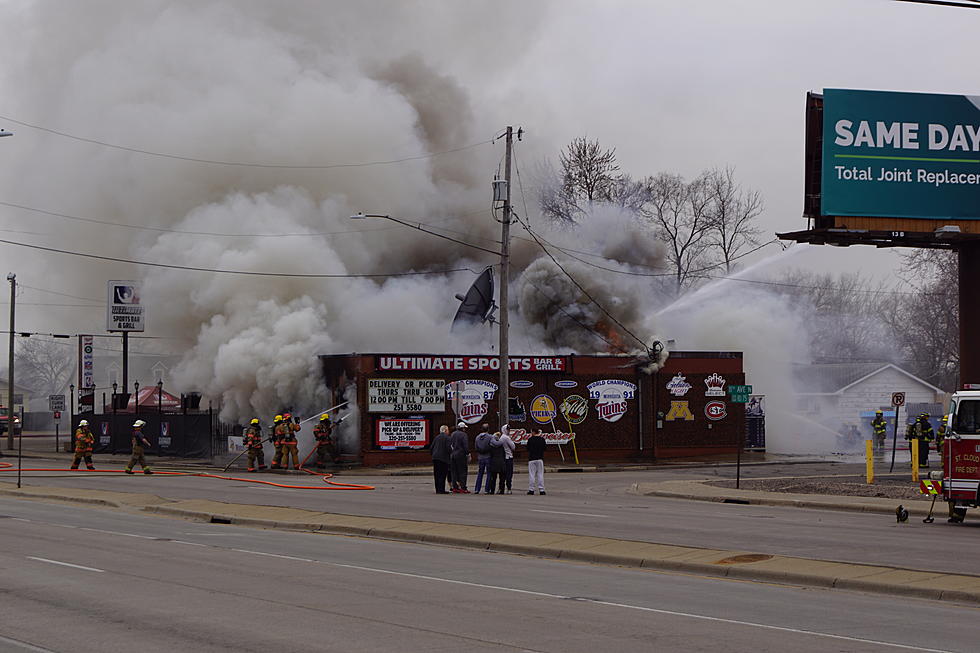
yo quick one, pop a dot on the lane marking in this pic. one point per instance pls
(276, 555)
(217, 534)
(65, 564)
(578, 514)
(24, 645)
(99, 530)
(190, 543)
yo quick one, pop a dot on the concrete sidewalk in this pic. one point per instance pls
(598, 550)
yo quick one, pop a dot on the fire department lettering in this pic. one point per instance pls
(679, 410)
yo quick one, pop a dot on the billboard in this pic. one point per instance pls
(900, 155)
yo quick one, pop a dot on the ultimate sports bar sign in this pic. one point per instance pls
(900, 155)
(470, 363)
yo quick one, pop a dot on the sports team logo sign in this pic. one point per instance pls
(574, 409)
(678, 386)
(469, 398)
(679, 410)
(611, 397)
(543, 409)
(164, 439)
(716, 386)
(715, 410)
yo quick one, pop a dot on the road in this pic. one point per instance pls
(83, 579)
(599, 504)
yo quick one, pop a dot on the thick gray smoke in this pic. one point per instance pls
(250, 82)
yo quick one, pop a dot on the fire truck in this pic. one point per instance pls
(961, 453)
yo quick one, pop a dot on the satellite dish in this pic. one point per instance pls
(477, 305)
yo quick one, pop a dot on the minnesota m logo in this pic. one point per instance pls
(679, 410)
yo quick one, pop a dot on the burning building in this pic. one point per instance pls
(600, 408)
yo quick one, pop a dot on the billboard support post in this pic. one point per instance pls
(969, 274)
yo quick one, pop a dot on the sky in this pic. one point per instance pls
(672, 85)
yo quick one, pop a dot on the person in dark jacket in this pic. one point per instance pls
(535, 461)
(497, 455)
(440, 459)
(459, 458)
(482, 446)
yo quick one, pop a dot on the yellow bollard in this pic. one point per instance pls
(915, 460)
(869, 460)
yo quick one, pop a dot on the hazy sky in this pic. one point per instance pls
(671, 84)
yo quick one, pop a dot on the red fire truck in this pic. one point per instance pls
(961, 454)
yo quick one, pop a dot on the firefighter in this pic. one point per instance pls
(277, 441)
(925, 435)
(253, 445)
(941, 435)
(84, 442)
(290, 445)
(325, 446)
(138, 440)
(878, 426)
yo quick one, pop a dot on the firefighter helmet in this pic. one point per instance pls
(277, 418)
(255, 421)
(287, 416)
(943, 419)
(84, 422)
(877, 412)
(138, 424)
(324, 417)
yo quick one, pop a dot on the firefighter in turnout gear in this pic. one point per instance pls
(253, 445)
(325, 446)
(277, 433)
(290, 445)
(84, 443)
(925, 435)
(941, 435)
(138, 442)
(878, 426)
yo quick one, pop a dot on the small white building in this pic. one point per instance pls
(837, 394)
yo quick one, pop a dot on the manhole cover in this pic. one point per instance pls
(741, 559)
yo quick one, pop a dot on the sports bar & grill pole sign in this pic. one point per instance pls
(900, 155)
(470, 363)
(124, 312)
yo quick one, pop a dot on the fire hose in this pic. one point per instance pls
(330, 485)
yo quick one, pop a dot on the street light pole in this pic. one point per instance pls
(12, 278)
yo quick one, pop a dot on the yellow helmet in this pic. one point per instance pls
(277, 418)
(943, 419)
(324, 416)
(255, 420)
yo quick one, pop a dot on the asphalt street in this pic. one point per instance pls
(84, 579)
(599, 504)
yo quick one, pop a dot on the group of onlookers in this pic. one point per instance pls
(495, 461)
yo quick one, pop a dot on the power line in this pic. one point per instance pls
(963, 4)
(242, 272)
(328, 166)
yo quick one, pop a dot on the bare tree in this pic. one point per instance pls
(678, 212)
(926, 323)
(732, 211)
(44, 365)
(588, 174)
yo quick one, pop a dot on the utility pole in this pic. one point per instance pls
(503, 393)
(12, 278)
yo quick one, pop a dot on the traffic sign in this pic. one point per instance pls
(739, 390)
(56, 402)
(898, 399)
(57, 414)
(740, 399)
